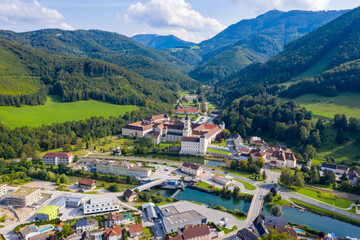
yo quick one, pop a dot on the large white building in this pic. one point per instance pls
(195, 138)
(103, 204)
(54, 158)
(122, 169)
(191, 169)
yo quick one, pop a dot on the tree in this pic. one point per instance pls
(287, 177)
(66, 148)
(344, 177)
(340, 138)
(276, 210)
(264, 175)
(76, 158)
(27, 150)
(268, 197)
(299, 179)
(64, 179)
(236, 191)
(273, 191)
(114, 187)
(78, 144)
(314, 175)
(250, 159)
(309, 152)
(260, 162)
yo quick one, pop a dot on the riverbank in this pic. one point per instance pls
(323, 212)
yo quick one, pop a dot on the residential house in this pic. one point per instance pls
(29, 231)
(241, 156)
(259, 226)
(282, 159)
(86, 184)
(188, 110)
(339, 170)
(130, 195)
(196, 232)
(41, 236)
(191, 169)
(54, 158)
(257, 153)
(136, 230)
(353, 176)
(221, 180)
(271, 221)
(113, 233)
(119, 219)
(246, 234)
(117, 151)
(103, 204)
(86, 224)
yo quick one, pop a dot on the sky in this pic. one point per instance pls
(191, 20)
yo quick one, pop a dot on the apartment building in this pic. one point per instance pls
(23, 197)
(54, 158)
(103, 204)
(122, 169)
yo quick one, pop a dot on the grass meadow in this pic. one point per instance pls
(55, 111)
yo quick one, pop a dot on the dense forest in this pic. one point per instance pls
(344, 78)
(78, 79)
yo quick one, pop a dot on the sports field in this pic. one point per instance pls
(55, 111)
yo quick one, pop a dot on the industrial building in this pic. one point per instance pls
(49, 212)
(173, 222)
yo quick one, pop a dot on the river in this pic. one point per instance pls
(318, 222)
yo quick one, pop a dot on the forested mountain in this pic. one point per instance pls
(110, 47)
(256, 40)
(327, 50)
(74, 78)
(160, 42)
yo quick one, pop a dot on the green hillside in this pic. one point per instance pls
(339, 39)
(224, 64)
(75, 79)
(160, 42)
(110, 47)
(344, 103)
(56, 111)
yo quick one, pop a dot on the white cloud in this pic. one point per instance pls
(286, 4)
(176, 17)
(16, 12)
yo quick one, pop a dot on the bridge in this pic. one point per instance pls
(149, 185)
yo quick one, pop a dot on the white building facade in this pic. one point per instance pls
(54, 158)
(98, 205)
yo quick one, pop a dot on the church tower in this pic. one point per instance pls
(187, 127)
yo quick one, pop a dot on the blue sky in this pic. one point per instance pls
(192, 20)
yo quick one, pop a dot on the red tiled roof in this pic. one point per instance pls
(136, 228)
(193, 231)
(113, 231)
(58, 154)
(114, 217)
(186, 110)
(87, 182)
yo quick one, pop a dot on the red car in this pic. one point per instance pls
(213, 169)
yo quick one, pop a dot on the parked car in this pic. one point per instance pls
(213, 169)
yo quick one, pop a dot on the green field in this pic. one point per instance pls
(247, 185)
(348, 151)
(55, 111)
(344, 103)
(218, 151)
(326, 197)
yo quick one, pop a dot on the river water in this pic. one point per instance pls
(318, 222)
